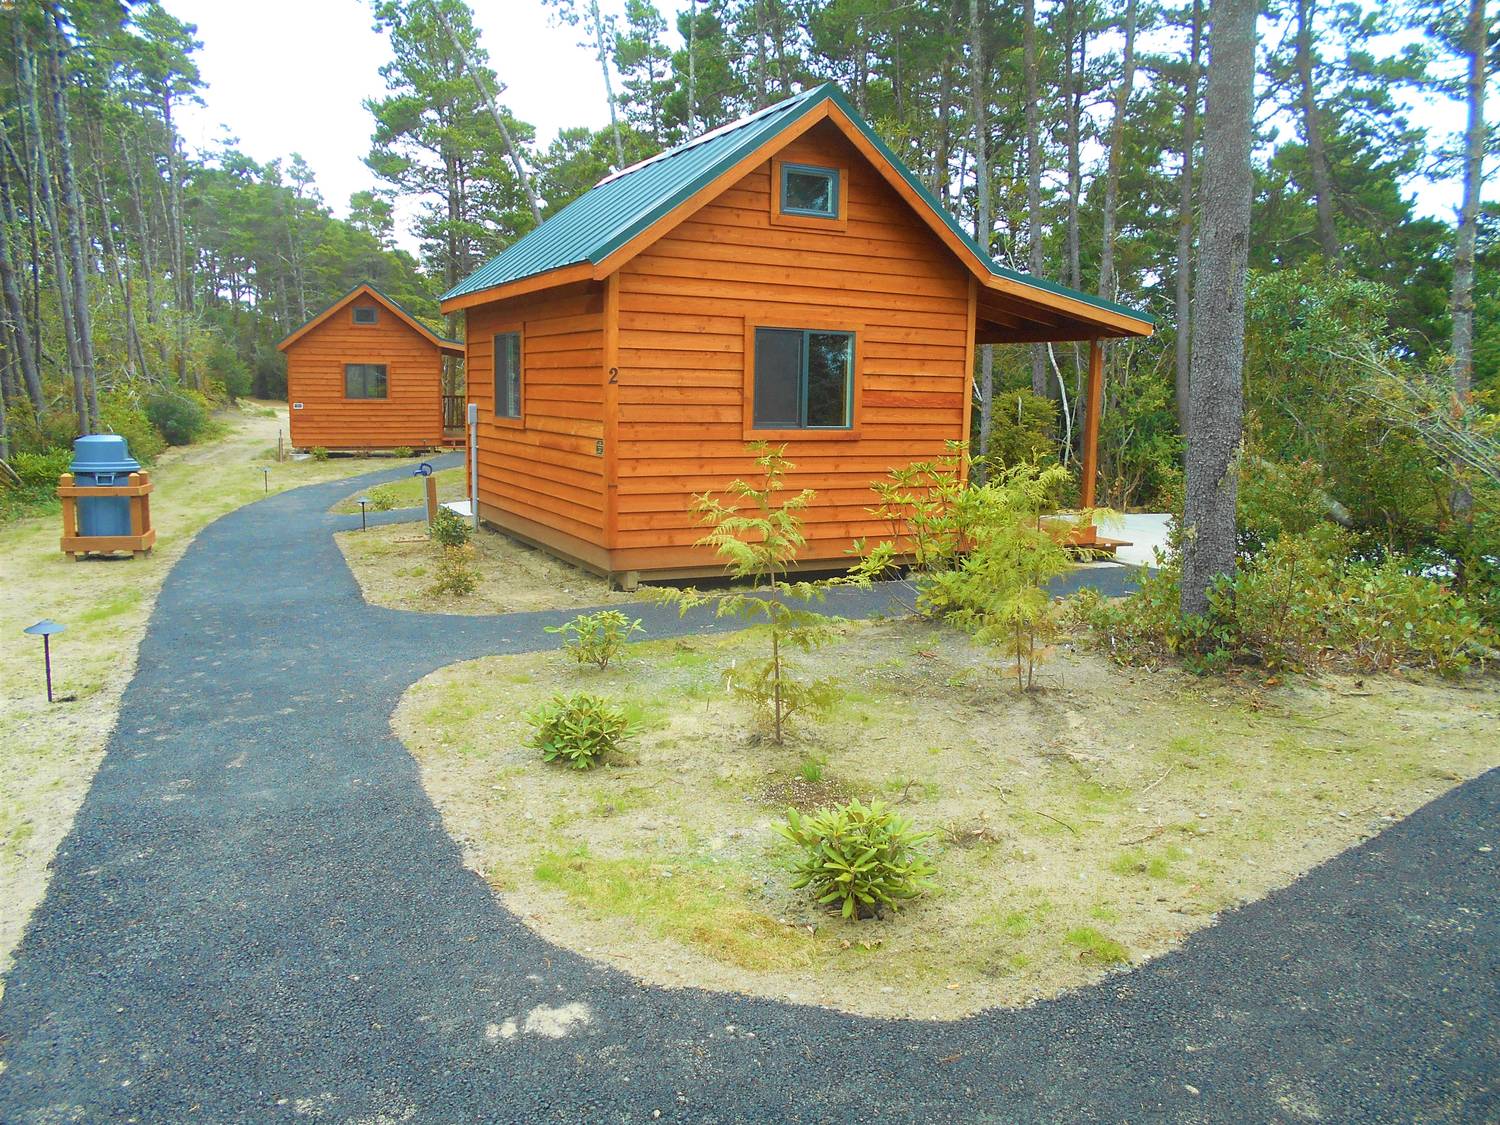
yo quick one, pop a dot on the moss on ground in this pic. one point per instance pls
(1080, 829)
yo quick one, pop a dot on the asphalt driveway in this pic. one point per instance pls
(258, 916)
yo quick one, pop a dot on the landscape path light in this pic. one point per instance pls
(362, 501)
(46, 629)
(266, 476)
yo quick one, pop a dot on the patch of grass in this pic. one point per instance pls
(676, 897)
(410, 492)
(123, 602)
(1093, 945)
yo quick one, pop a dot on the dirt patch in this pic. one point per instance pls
(48, 754)
(1081, 829)
(394, 566)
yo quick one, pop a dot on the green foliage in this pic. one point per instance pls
(759, 540)
(596, 638)
(178, 416)
(224, 365)
(998, 592)
(382, 499)
(448, 528)
(858, 859)
(580, 731)
(455, 575)
(122, 416)
(403, 452)
(1304, 603)
(41, 470)
(1022, 429)
(1140, 450)
(920, 504)
(319, 453)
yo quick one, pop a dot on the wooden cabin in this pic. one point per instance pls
(783, 278)
(366, 374)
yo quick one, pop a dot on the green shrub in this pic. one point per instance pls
(382, 499)
(449, 529)
(579, 731)
(1022, 425)
(180, 417)
(403, 451)
(455, 575)
(122, 416)
(41, 470)
(595, 638)
(319, 453)
(1304, 603)
(860, 859)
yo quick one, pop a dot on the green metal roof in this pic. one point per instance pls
(622, 205)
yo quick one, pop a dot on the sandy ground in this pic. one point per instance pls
(48, 754)
(1083, 828)
(394, 566)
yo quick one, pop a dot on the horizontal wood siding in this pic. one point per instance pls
(684, 307)
(544, 468)
(412, 412)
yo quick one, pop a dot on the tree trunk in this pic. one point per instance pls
(489, 100)
(1116, 155)
(982, 221)
(1312, 135)
(1185, 219)
(73, 218)
(609, 86)
(179, 239)
(1216, 421)
(47, 208)
(1475, 46)
(692, 49)
(15, 307)
(1033, 180)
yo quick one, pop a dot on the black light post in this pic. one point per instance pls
(45, 629)
(266, 476)
(362, 501)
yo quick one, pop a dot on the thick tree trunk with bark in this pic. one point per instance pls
(1216, 421)
(1312, 134)
(1033, 180)
(1184, 365)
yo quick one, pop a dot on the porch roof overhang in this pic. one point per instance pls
(1009, 311)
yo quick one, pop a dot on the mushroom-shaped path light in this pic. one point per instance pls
(46, 628)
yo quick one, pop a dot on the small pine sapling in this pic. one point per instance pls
(999, 591)
(759, 540)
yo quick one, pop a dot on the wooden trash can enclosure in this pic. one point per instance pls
(106, 500)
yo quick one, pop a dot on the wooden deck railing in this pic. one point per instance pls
(453, 414)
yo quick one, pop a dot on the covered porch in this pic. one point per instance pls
(1008, 310)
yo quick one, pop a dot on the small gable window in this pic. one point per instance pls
(806, 190)
(365, 314)
(508, 375)
(803, 379)
(364, 380)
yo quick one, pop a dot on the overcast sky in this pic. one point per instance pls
(287, 76)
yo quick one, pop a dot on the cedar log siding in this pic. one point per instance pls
(688, 307)
(540, 476)
(412, 412)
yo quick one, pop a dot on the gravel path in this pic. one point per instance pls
(259, 916)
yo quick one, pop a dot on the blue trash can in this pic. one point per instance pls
(103, 460)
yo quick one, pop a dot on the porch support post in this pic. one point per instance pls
(1091, 422)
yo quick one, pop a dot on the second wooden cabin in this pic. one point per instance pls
(783, 278)
(366, 374)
